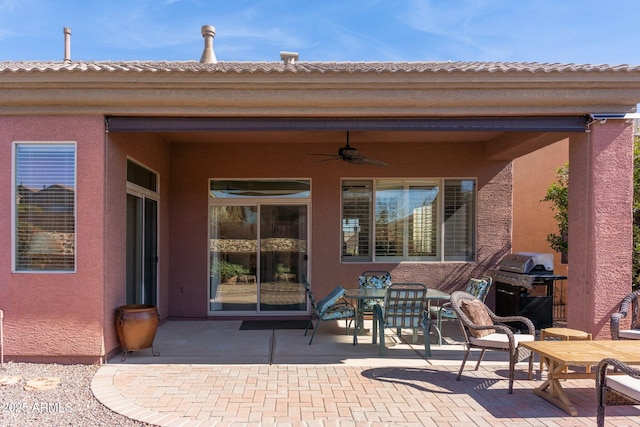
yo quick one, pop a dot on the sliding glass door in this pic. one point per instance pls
(233, 258)
(142, 250)
(258, 259)
(258, 240)
(283, 257)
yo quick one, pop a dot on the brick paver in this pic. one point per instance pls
(274, 378)
(185, 395)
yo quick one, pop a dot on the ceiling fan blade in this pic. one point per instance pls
(361, 160)
(328, 157)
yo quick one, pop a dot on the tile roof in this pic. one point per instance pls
(308, 67)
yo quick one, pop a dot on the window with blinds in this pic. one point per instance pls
(45, 206)
(356, 220)
(411, 220)
(459, 226)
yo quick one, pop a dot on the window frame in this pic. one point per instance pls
(14, 206)
(441, 227)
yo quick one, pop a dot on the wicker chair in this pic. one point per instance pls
(476, 287)
(331, 307)
(633, 331)
(484, 330)
(616, 390)
(404, 307)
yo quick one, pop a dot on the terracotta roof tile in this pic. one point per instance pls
(307, 67)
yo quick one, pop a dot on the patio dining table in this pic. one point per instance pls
(360, 295)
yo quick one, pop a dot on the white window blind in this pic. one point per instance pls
(356, 220)
(459, 228)
(45, 179)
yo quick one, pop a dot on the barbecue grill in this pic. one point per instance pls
(524, 287)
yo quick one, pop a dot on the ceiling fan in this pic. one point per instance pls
(351, 155)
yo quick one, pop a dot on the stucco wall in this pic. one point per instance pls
(56, 316)
(600, 226)
(40, 318)
(192, 164)
(153, 153)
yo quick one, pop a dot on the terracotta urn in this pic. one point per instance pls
(136, 326)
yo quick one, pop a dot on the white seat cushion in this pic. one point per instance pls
(498, 340)
(630, 334)
(625, 384)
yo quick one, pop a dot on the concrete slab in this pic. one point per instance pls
(222, 342)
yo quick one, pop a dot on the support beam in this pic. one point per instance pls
(262, 124)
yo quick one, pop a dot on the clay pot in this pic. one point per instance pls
(136, 326)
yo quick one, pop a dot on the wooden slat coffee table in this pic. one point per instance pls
(557, 355)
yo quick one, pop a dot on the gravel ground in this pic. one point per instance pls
(70, 403)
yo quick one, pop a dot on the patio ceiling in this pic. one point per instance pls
(498, 145)
(329, 137)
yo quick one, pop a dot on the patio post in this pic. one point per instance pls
(600, 224)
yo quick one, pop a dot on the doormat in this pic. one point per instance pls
(256, 325)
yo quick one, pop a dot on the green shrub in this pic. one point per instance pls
(227, 269)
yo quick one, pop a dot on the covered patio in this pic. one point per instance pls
(211, 372)
(169, 137)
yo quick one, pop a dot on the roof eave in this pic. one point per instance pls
(365, 90)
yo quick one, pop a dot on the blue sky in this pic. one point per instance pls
(551, 31)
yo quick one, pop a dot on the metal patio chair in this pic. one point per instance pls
(404, 307)
(373, 279)
(331, 307)
(484, 330)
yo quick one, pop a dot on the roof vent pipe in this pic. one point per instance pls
(289, 58)
(208, 56)
(67, 44)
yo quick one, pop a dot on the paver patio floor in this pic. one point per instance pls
(210, 373)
